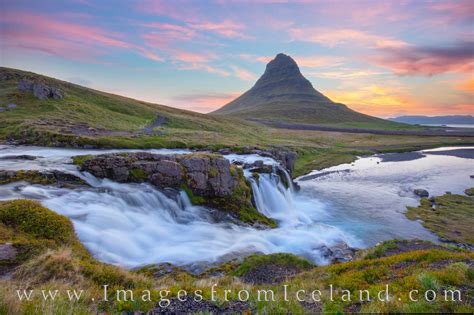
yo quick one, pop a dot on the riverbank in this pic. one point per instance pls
(40, 260)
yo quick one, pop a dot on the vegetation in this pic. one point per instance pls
(85, 117)
(450, 216)
(31, 176)
(80, 159)
(63, 264)
(281, 259)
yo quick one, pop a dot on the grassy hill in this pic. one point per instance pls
(87, 117)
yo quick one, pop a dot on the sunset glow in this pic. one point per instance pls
(384, 58)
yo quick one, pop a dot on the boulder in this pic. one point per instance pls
(208, 179)
(340, 252)
(423, 193)
(40, 90)
(8, 252)
(204, 175)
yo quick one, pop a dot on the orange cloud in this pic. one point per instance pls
(203, 103)
(243, 74)
(466, 86)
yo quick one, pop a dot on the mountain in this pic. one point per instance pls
(436, 120)
(283, 94)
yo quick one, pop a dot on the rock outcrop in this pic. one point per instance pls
(208, 179)
(423, 193)
(40, 90)
(55, 177)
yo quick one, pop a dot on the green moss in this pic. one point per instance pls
(469, 191)
(31, 176)
(29, 217)
(80, 159)
(195, 200)
(256, 175)
(138, 174)
(451, 217)
(282, 259)
(379, 250)
(213, 172)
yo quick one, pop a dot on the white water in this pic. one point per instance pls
(135, 224)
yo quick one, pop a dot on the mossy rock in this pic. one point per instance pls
(31, 218)
(273, 268)
(80, 159)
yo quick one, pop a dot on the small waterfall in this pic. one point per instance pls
(272, 196)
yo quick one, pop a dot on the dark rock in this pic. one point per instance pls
(207, 176)
(189, 305)
(168, 173)
(263, 169)
(40, 90)
(338, 253)
(25, 85)
(55, 177)
(421, 192)
(8, 252)
(18, 157)
(288, 158)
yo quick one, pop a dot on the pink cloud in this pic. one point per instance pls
(428, 60)
(31, 31)
(243, 74)
(226, 28)
(333, 37)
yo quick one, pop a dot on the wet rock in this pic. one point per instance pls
(421, 192)
(205, 175)
(55, 177)
(340, 252)
(288, 158)
(19, 157)
(168, 173)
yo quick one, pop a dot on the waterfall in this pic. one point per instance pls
(132, 224)
(271, 196)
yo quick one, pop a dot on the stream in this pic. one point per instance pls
(359, 204)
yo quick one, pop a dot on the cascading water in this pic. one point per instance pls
(136, 224)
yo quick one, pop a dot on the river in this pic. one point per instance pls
(131, 225)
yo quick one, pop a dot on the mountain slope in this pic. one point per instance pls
(90, 114)
(283, 94)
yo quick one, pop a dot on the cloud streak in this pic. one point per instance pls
(428, 61)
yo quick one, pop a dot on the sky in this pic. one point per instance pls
(383, 58)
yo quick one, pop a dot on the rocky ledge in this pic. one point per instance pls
(56, 178)
(208, 179)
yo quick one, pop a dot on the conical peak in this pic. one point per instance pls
(282, 64)
(283, 72)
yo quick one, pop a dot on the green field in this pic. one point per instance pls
(89, 117)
